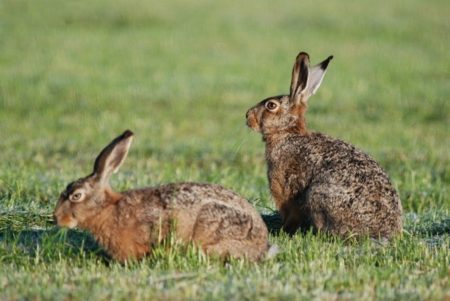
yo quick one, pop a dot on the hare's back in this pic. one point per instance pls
(340, 162)
(354, 173)
(191, 195)
(188, 196)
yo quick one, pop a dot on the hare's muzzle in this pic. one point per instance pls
(252, 120)
(63, 216)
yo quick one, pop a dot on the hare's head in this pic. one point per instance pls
(83, 199)
(286, 112)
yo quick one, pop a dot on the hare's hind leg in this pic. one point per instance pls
(340, 211)
(331, 209)
(223, 230)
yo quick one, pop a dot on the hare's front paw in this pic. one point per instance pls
(291, 221)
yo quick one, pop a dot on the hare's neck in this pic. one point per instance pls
(279, 135)
(282, 139)
(300, 123)
(103, 225)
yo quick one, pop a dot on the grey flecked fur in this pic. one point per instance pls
(318, 181)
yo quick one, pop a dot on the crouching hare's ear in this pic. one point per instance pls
(305, 79)
(112, 156)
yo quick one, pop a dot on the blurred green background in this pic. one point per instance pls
(181, 74)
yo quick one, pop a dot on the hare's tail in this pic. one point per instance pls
(273, 251)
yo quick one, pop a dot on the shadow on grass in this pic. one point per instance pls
(432, 223)
(273, 222)
(48, 245)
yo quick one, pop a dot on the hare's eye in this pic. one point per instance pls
(271, 105)
(75, 197)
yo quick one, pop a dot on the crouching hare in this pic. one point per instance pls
(127, 224)
(318, 181)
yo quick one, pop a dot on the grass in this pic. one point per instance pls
(181, 74)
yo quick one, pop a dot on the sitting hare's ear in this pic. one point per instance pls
(112, 156)
(306, 80)
(299, 75)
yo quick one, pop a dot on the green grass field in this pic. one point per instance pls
(181, 75)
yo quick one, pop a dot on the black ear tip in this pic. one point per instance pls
(325, 63)
(127, 134)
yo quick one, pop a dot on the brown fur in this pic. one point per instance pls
(318, 181)
(130, 223)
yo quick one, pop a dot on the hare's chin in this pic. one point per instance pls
(73, 223)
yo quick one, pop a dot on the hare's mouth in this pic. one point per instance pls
(67, 221)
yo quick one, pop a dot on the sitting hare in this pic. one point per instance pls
(127, 224)
(318, 181)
